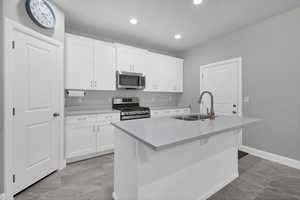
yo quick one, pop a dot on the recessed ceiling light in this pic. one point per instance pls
(133, 21)
(198, 2)
(177, 36)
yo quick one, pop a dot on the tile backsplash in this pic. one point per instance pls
(103, 99)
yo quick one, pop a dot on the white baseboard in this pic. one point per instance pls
(2, 197)
(272, 157)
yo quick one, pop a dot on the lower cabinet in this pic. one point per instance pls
(81, 139)
(105, 137)
(93, 135)
(89, 135)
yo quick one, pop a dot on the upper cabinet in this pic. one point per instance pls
(104, 63)
(131, 59)
(79, 62)
(164, 73)
(90, 64)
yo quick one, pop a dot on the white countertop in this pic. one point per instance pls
(164, 132)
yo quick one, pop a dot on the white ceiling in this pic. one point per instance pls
(159, 20)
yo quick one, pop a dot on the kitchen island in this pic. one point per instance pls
(166, 158)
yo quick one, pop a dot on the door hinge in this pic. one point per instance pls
(13, 45)
(14, 178)
(13, 111)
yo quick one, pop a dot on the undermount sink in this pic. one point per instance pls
(194, 117)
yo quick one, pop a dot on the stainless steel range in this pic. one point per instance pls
(130, 108)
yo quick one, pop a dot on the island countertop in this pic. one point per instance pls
(165, 132)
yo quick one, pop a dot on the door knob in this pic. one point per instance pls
(56, 114)
(234, 105)
(234, 112)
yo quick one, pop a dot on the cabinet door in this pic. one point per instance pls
(104, 71)
(105, 137)
(179, 72)
(175, 68)
(140, 61)
(79, 62)
(124, 59)
(81, 139)
(131, 59)
(155, 73)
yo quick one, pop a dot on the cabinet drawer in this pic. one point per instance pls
(80, 118)
(108, 117)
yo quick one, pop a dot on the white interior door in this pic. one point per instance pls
(36, 97)
(223, 79)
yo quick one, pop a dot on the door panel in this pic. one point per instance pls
(222, 81)
(35, 98)
(81, 139)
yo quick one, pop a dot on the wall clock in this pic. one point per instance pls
(41, 13)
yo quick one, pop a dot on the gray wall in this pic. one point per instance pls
(103, 100)
(271, 77)
(15, 10)
(1, 97)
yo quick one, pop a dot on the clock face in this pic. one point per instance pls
(41, 13)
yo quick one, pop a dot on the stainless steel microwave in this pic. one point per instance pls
(130, 80)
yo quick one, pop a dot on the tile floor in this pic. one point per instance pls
(93, 180)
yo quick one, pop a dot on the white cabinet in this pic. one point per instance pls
(131, 59)
(90, 64)
(89, 135)
(81, 138)
(170, 112)
(104, 69)
(164, 74)
(79, 62)
(105, 138)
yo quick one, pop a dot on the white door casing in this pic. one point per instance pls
(224, 80)
(33, 87)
